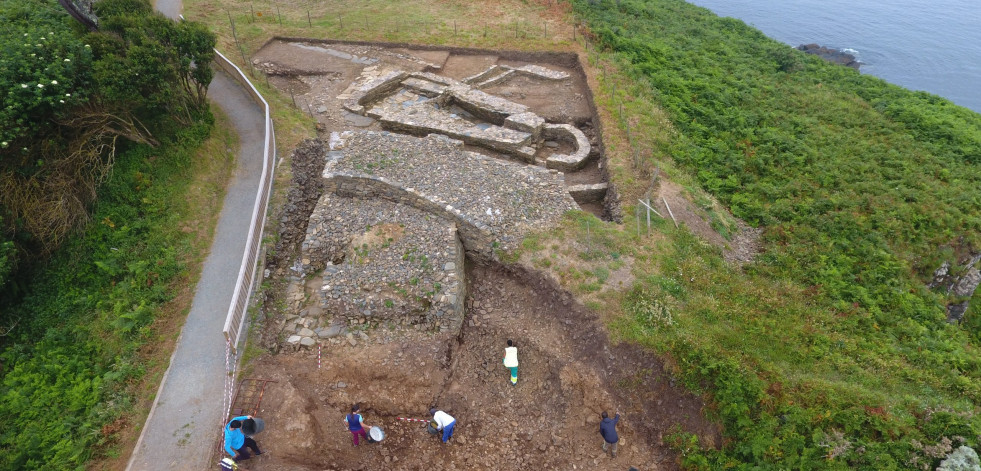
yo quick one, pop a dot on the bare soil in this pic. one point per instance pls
(569, 373)
(741, 248)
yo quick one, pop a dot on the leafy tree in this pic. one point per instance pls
(70, 98)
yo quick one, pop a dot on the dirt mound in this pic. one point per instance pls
(569, 373)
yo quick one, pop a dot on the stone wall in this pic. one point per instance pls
(477, 238)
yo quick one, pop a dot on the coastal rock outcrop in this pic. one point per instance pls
(836, 56)
(958, 283)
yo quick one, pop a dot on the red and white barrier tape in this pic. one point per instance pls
(318, 356)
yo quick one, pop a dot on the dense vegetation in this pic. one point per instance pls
(70, 96)
(829, 351)
(69, 360)
(97, 126)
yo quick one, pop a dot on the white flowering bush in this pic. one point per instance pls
(44, 70)
(68, 97)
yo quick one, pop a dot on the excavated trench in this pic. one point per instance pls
(318, 75)
(569, 370)
(569, 373)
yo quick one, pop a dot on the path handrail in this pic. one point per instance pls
(235, 319)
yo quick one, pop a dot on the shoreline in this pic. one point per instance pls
(836, 56)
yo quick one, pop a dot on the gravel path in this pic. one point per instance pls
(183, 423)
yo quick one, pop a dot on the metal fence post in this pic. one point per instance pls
(648, 216)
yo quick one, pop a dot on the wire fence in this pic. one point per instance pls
(374, 26)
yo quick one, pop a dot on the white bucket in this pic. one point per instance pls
(376, 434)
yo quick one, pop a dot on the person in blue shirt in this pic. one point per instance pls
(355, 424)
(608, 429)
(236, 443)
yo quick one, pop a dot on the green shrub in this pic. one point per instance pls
(824, 353)
(86, 313)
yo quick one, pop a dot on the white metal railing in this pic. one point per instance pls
(235, 319)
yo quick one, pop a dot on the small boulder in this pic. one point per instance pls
(331, 332)
(961, 459)
(305, 332)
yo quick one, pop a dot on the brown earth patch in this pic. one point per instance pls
(378, 236)
(569, 373)
(742, 247)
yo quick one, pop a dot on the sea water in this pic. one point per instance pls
(930, 45)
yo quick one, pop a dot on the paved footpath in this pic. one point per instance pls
(186, 416)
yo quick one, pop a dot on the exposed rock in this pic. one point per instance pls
(305, 332)
(567, 132)
(330, 332)
(957, 288)
(836, 56)
(955, 312)
(306, 165)
(588, 193)
(384, 261)
(425, 103)
(493, 202)
(961, 459)
(967, 283)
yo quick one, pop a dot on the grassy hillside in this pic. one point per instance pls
(110, 160)
(828, 351)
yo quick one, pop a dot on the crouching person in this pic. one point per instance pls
(236, 443)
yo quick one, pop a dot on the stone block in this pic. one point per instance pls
(527, 122)
(588, 193)
(566, 132)
(544, 73)
(424, 87)
(491, 71)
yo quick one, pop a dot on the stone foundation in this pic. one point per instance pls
(377, 261)
(494, 203)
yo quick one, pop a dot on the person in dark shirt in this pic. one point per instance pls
(608, 429)
(355, 424)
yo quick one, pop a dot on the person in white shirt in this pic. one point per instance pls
(444, 422)
(511, 361)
